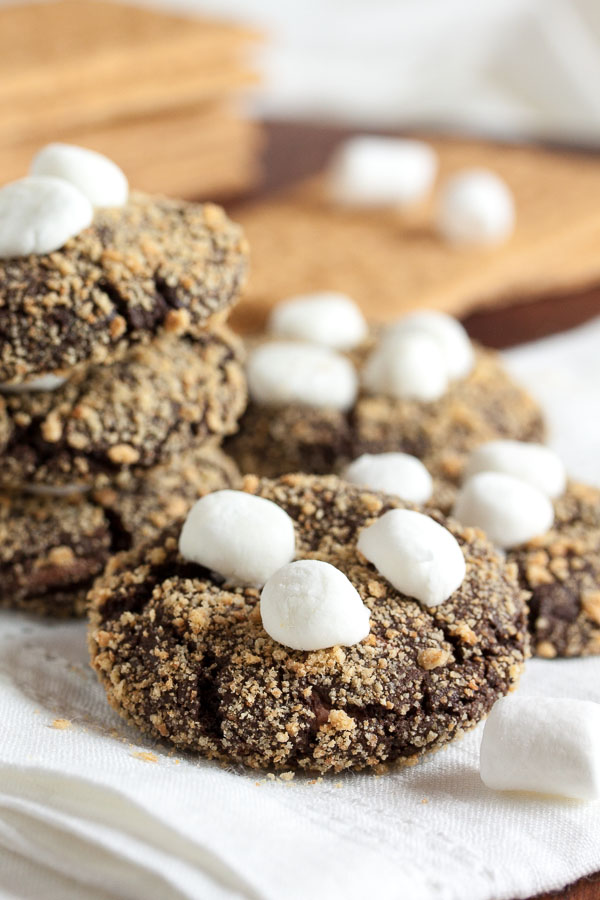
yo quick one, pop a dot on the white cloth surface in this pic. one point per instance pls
(85, 814)
(505, 67)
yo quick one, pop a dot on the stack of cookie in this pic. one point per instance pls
(119, 375)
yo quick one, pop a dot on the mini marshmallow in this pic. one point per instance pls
(454, 342)
(476, 207)
(393, 473)
(381, 171)
(419, 557)
(509, 510)
(241, 537)
(327, 318)
(43, 383)
(311, 605)
(543, 744)
(95, 175)
(537, 465)
(39, 214)
(408, 366)
(284, 372)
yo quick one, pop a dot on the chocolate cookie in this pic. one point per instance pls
(562, 570)
(484, 405)
(51, 548)
(184, 656)
(158, 400)
(156, 263)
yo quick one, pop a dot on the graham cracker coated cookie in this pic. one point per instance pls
(484, 405)
(561, 569)
(159, 399)
(183, 655)
(52, 548)
(156, 264)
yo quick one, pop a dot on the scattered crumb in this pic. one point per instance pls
(286, 776)
(425, 800)
(145, 756)
(61, 724)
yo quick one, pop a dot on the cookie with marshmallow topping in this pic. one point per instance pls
(86, 269)
(424, 390)
(327, 666)
(520, 496)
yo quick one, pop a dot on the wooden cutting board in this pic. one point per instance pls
(390, 263)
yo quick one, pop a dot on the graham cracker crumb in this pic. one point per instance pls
(61, 724)
(146, 756)
(433, 657)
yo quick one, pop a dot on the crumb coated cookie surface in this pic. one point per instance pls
(51, 548)
(160, 399)
(155, 263)
(185, 657)
(487, 404)
(562, 570)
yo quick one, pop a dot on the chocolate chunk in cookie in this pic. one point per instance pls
(184, 656)
(154, 264)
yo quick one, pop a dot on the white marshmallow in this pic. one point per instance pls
(393, 473)
(419, 557)
(543, 744)
(381, 171)
(43, 383)
(242, 537)
(327, 318)
(284, 372)
(39, 214)
(537, 465)
(409, 365)
(509, 510)
(311, 605)
(453, 340)
(476, 207)
(96, 176)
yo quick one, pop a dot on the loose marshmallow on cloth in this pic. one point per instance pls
(381, 171)
(543, 744)
(43, 383)
(408, 365)
(39, 214)
(537, 465)
(327, 318)
(311, 605)
(454, 342)
(393, 473)
(417, 555)
(96, 176)
(509, 510)
(285, 372)
(475, 207)
(241, 537)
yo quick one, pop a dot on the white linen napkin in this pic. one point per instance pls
(89, 809)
